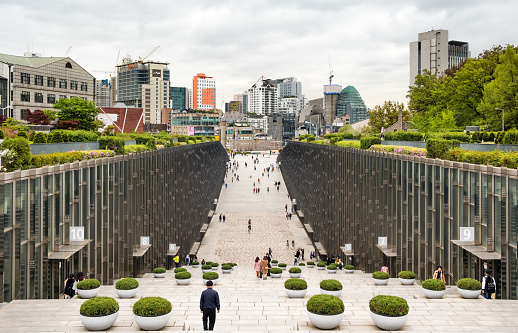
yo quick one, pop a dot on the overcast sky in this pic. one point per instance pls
(237, 42)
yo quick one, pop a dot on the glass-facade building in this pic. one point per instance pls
(179, 98)
(351, 103)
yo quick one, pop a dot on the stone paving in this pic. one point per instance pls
(249, 304)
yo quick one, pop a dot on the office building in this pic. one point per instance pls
(179, 97)
(233, 106)
(262, 98)
(103, 93)
(243, 99)
(259, 122)
(203, 92)
(351, 103)
(291, 88)
(289, 105)
(35, 82)
(193, 122)
(144, 85)
(434, 52)
(331, 95)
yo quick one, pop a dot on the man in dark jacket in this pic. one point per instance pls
(209, 302)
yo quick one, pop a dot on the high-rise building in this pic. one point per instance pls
(331, 95)
(144, 85)
(262, 98)
(179, 97)
(290, 87)
(233, 106)
(351, 103)
(203, 92)
(434, 52)
(103, 93)
(289, 105)
(243, 99)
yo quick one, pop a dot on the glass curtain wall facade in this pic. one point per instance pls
(164, 194)
(352, 196)
(351, 103)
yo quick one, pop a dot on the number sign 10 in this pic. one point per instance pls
(382, 241)
(347, 247)
(467, 234)
(77, 234)
(144, 240)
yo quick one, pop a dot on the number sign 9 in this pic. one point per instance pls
(144, 240)
(172, 247)
(347, 247)
(382, 241)
(467, 234)
(77, 234)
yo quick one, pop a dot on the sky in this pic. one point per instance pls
(366, 43)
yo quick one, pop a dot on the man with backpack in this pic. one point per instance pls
(488, 285)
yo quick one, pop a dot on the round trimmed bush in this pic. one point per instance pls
(295, 284)
(433, 284)
(234, 264)
(209, 263)
(311, 263)
(275, 271)
(275, 261)
(332, 267)
(348, 267)
(302, 264)
(210, 276)
(407, 275)
(325, 305)
(126, 284)
(389, 306)
(206, 266)
(182, 275)
(282, 265)
(99, 307)
(195, 263)
(469, 284)
(331, 285)
(226, 267)
(180, 269)
(88, 284)
(152, 307)
(380, 275)
(159, 270)
(295, 270)
(321, 264)
(214, 265)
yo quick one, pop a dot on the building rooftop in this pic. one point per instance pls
(28, 61)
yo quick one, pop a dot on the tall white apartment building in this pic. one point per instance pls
(290, 87)
(204, 92)
(262, 99)
(289, 105)
(103, 93)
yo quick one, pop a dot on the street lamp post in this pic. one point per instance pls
(502, 117)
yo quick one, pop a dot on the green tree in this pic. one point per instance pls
(502, 93)
(384, 116)
(78, 109)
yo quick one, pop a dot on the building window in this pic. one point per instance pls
(51, 98)
(62, 97)
(26, 78)
(68, 65)
(63, 83)
(51, 82)
(84, 86)
(73, 85)
(26, 96)
(38, 80)
(38, 97)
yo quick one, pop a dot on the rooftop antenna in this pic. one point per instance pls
(330, 71)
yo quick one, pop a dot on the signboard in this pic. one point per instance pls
(191, 130)
(172, 247)
(467, 234)
(382, 241)
(77, 234)
(348, 247)
(144, 241)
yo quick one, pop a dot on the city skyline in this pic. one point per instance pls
(236, 43)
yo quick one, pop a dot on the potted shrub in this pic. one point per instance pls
(295, 272)
(99, 313)
(208, 263)
(274, 263)
(88, 288)
(469, 288)
(321, 265)
(406, 277)
(310, 264)
(126, 288)
(302, 264)
(206, 268)
(213, 276)
(389, 312)
(226, 269)
(380, 278)
(295, 288)
(325, 311)
(180, 269)
(332, 268)
(331, 287)
(433, 288)
(159, 272)
(152, 313)
(276, 272)
(183, 278)
(214, 266)
(282, 266)
(349, 269)
(195, 264)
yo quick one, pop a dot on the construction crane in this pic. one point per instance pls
(262, 78)
(150, 53)
(68, 51)
(331, 76)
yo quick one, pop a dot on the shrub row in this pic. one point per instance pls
(438, 148)
(68, 157)
(112, 143)
(496, 158)
(404, 136)
(349, 144)
(400, 150)
(368, 141)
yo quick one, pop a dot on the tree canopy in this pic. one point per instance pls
(384, 116)
(78, 109)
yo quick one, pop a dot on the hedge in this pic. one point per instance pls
(511, 137)
(112, 143)
(368, 141)
(81, 135)
(459, 136)
(404, 136)
(19, 156)
(68, 157)
(496, 158)
(413, 151)
(40, 137)
(349, 144)
(438, 148)
(135, 149)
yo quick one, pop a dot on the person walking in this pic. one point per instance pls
(249, 228)
(293, 243)
(224, 218)
(264, 267)
(187, 260)
(302, 253)
(209, 302)
(270, 251)
(286, 207)
(257, 267)
(488, 285)
(439, 274)
(220, 217)
(287, 244)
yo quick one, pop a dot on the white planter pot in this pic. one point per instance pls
(274, 264)
(226, 271)
(311, 266)
(325, 322)
(126, 293)
(380, 282)
(295, 275)
(283, 268)
(161, 275)
(434, 294)
(336, 293)
(213, 281)
(152, 323)
(388, 323)
(470, 294)
(321, 268)
(331, 271)
(296, 293)
(195, 266)
(407, 282)
(99, 323)
(276, 275)
(214, 268)
(206, 270)
(349, 271)
(88, 293)
(182, 282)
